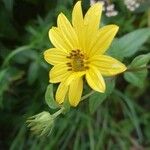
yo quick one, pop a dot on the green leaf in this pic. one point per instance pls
(140, 61)
(130, 43)
(137, 79)
(97, 98)
(49, 97)
(2, 75)
(15, 52)
(137, 73)
(66, 105)
(18, 141)
(3, 85)
(33, 72)
(8, 4)
(131, 112)
(7, 76)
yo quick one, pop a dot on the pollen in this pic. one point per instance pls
(78, 61)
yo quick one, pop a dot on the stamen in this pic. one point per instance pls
(69, 57)
(69, 69)
(74, 51)
(86, 62)
(69, 64)
(87, 67)
(78, 61)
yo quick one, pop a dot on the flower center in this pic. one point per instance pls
(78, 61)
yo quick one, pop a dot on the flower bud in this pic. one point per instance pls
(41, 124)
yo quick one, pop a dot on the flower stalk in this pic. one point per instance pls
(87, 95)
(56, 114)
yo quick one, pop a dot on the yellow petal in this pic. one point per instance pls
(61, 92)
(55, 56)
(107, 65)
(78, 23)
(77, 16)
(73, 76)
(75, 91)
(93, 16)
(59, 73)
(95, 79)
(102, 40)
(58, 40)
(91, 23)
(63, 87)
(67, 31)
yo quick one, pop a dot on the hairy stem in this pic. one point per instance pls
(58, 112)
(87, 95)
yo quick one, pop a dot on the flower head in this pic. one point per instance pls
(80, 51)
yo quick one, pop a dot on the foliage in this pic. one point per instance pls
(118, 119)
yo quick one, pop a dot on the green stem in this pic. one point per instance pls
(14, 52)
(138, 69)
(58, 112)
(87, 95)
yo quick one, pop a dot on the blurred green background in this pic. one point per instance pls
(119, 123)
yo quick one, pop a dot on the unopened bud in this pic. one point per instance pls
(41, 124)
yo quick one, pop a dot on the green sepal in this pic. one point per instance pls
(49, 97)
(137, 70)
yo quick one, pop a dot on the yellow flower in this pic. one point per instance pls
(79, 51)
